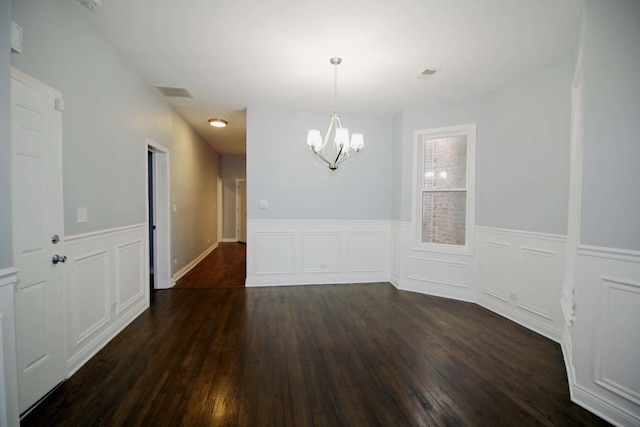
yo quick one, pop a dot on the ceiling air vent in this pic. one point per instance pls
(427, 72)
(176, 92)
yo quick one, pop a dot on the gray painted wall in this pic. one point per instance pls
(611, 172)
(522, 150)
(109, 112)
(233, 167)
(284, 172)
(396, 171)
(6, 250)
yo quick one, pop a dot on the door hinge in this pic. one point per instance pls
(59, 104)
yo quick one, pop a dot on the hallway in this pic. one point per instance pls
(224, 267)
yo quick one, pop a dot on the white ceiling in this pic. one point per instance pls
(234, 54)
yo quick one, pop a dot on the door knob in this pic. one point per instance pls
(58, 258)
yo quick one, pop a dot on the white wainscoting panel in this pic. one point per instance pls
(368, 251)
(88, 282)
(430, 272)
(537, 281)
(297, 252)
(274, 252)
(395, 252)
(321, 251)
(129, 274)
(9, 412)
(519, 276)
(494, 270)
(619, 308)
(607, 333)
(450, 273)
(107, 287)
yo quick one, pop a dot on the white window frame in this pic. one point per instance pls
(468, 130)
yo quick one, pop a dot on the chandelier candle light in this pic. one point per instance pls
(343, 147)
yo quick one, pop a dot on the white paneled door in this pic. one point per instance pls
(37, 236)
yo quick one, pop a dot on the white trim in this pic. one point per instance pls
(566, 345)
(184, 270)
(238, 201)
(310, 280)
(530, 323)
(437, 289)
(606, 410)
(468, 130)
(529, 234)
(162, 215)
(105, 232)
(361, 224)
(16, 38)
(609, 253)
(8, 276)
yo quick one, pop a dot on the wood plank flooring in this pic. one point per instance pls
(333, 355)
(224, 266)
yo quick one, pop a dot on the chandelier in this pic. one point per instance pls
(342, 147)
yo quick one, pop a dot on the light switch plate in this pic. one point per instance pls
(82, 215)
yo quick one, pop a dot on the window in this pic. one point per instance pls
(444, 177)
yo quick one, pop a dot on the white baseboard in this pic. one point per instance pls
(257, 282)
(604, 409)
(436, 290)
(184, 270)
(516, 316)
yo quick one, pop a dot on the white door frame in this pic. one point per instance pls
(238, 219)
(161, 201)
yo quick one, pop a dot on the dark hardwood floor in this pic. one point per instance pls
(333, 355)
(224, 266)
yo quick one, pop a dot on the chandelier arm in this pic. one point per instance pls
(328, 134)
(338, 156)
(323, 159)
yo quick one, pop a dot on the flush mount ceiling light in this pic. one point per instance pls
(342, 148)
(218, 123)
